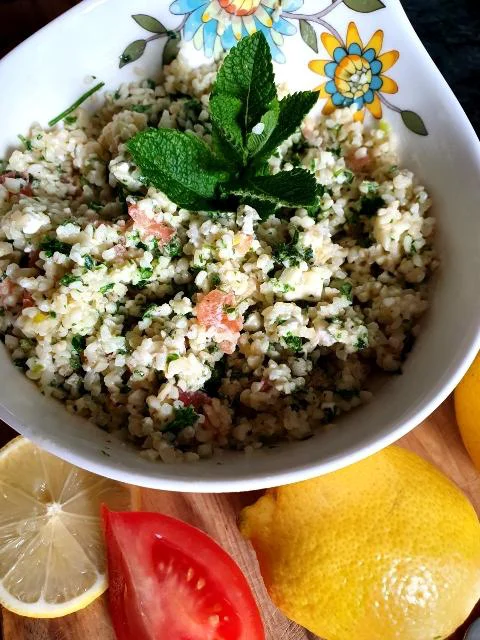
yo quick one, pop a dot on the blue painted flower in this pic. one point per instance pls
(216, 25)
(355, 72)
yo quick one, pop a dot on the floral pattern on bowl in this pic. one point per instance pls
(354, 73)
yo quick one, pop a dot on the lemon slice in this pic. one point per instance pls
(52, 556)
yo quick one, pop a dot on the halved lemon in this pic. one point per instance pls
(52, 556)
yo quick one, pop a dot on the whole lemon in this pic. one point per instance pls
(467, 410)
(385, 549)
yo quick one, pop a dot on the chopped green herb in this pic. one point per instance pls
(20, 362)
(172, 356)
(52, 245)
(336, 151)
(346, 290)
(107, 287)
(89, 262)
(145, 272)
(78, 342)
(149, 310)
(173, 248)
(184, 417)
(213, 384)
(26, 142)
(76, 104)
(215, 279)
(141, 108)
(52, 314)
(294, 343)
(290, 254)
(369, 205)
(70, 119)
(95, 206)
(69, 278)
(75, 361)
(361, 343)
(151, 84)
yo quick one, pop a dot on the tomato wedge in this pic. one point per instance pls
(170, 581)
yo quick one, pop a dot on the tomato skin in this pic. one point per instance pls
(170, 581)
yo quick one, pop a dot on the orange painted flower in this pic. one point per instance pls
(355, 72)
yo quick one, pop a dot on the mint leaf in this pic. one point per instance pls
(247, 74)
(256, 141)
(179, 164)
(227, 134)
(293, 109)
(296, 188)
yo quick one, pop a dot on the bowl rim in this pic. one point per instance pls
(302, 471)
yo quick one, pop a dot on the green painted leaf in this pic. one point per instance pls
(247, 74)
(293, 109)
(179, 164)
(364, 6)
(171, 49)
(308, 35)
(133, 52)
(414, 122)
(149, 23)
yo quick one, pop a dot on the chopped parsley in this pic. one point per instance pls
(145, 273)
(69, 278)
(361, 343)
(70, 119)
(369, 205)
(75, 361)
(95, 206)
(215, 279)
(78, 342)
(51, 245)
(141, 108)
(294, 343)
(149, 309)
(346, 290)
(290, 254)
(52, 314)
(172, 356)
(184, 417)
(107, 287)
(89, 262)
(173, 248)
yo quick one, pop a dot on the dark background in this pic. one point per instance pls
(450, 29)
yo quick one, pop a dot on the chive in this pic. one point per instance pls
(26, 142)
(76, 104)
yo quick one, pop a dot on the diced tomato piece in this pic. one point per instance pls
(170, 581)
(211, 311)
(7, 287)
(162, 231)
(195, 399)
(27, 300)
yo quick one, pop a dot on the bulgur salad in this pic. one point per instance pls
(188, 332)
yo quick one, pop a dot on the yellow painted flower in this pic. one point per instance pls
(355, 72)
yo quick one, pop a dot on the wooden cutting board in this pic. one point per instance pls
(437, 440)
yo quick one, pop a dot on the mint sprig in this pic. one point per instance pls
(248, 125)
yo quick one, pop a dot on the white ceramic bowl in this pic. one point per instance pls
(51, 69)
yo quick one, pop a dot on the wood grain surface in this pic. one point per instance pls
(437, 440)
